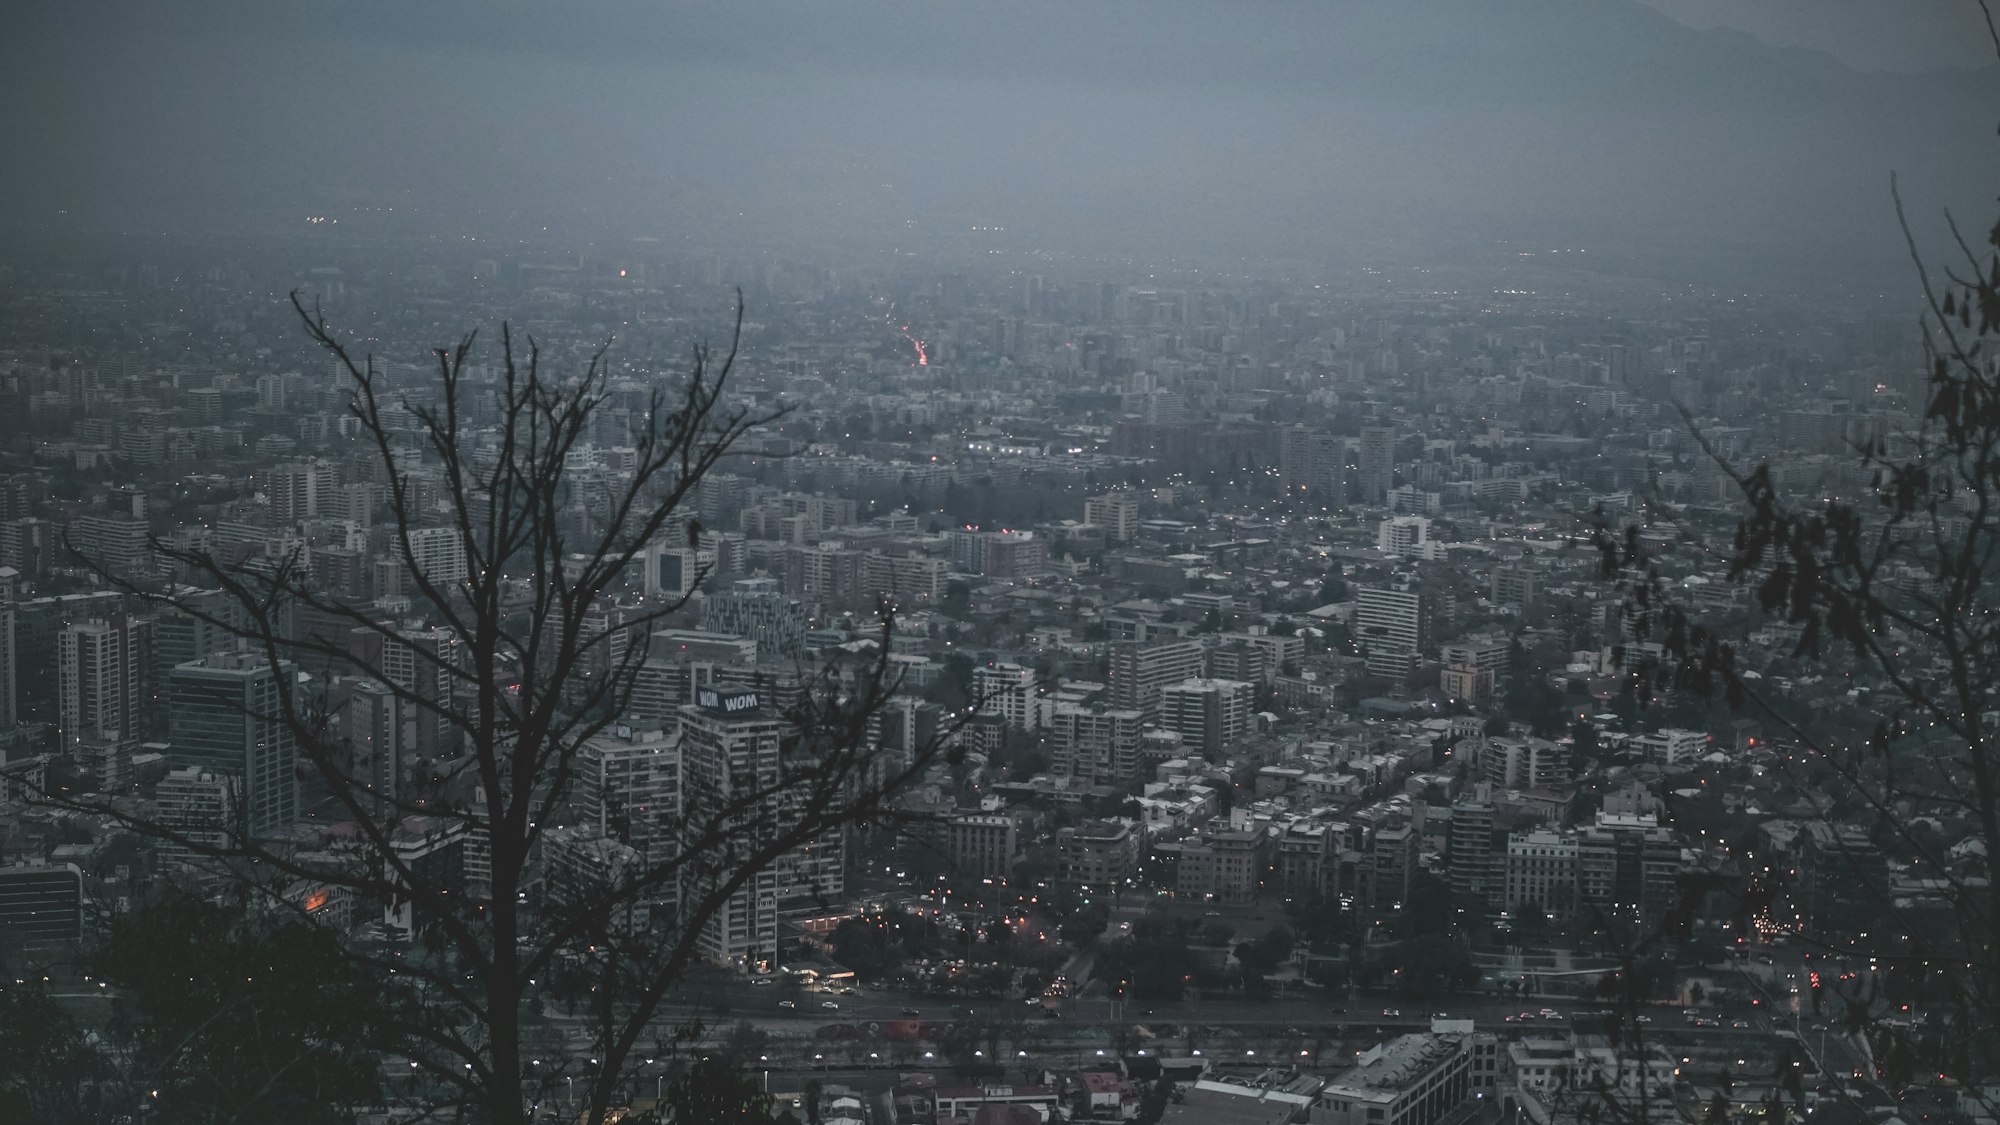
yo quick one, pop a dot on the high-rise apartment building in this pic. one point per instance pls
(905, 580)
(439, 553)
(1392, 858)
(10, 708)
(1096, 745)
(1392, 624)
(299, 490)
(1313, 462)
(1378, 463)
(1003, 555)
(1007, 690)
(1116, 512)
(1478, 861)
(199, 809)
(629, 784)
(1209, 715)
(422, 663)
(1514, 586)
(1524, 763)
(115, 542)
(226, 718)
(1406, 537)
(731, 746)
(105, 688)
(1641, 858)
(1139, 671)
(372, 720)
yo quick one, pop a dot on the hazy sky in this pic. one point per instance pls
(1899, 35)
(1160, 127)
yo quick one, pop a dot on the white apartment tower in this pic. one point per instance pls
(732, 746)
(1007, 690)
(1389, 622)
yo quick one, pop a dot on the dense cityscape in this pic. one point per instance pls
(1005, 637)
(1265, 618)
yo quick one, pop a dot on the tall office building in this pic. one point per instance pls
(179, 635)
(226, 719)
(1378, 463)
(104, 685)
(1392, 624)
(672, 572)
(756, 608)
(731, 746)
(1139, 671)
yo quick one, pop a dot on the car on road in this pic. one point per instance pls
(762, 981)
(787, 1004)
(829, 1005)
(1392, 1013)
(911, 1012)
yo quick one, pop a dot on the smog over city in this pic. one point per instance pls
(1338, 562)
